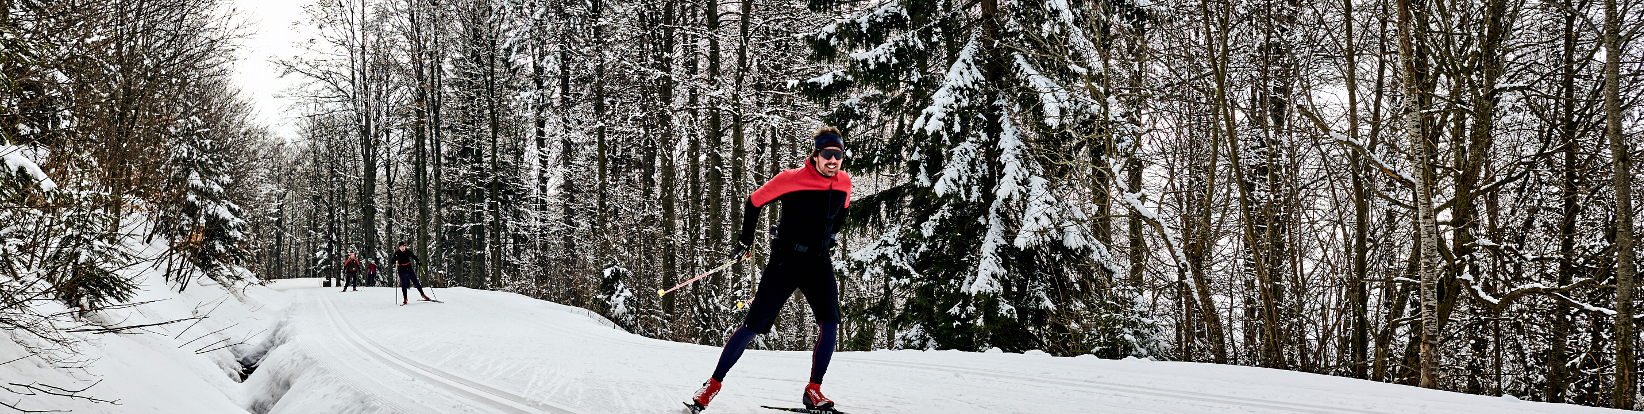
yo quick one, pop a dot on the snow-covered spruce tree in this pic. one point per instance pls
(49, 241)
(80, 264)
(196, 215)
(973, 107)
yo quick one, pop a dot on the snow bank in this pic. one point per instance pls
(194, 364)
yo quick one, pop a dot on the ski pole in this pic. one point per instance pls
(746, 303)
(437, 280)
(661, 292)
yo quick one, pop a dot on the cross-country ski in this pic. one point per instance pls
(804, 410)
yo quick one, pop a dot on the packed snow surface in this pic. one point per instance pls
(318, 350)
(484, 351)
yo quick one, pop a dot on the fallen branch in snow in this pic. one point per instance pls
(207, 334)
(18, 359)
(198, 315)
(130, 305)
(36, 389)
(48, 389)
(203, 349)
(119, 329)
(14, 407)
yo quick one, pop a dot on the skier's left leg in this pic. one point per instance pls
(774, 289)
(822, 292)
(406, 277)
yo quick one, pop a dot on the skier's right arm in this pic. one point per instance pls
(750, 218)
(770, 191)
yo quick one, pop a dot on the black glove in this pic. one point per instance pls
(740, 250)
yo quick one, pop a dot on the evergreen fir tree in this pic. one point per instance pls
(202, 223)
(972, 105)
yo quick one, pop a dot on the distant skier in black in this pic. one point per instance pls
(351, 267)
(814, 198)
(405, 263)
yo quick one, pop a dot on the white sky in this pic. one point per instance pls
(270, 35)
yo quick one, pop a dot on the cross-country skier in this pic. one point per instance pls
(351, 267)
(814, 198)
(371, 272)
(405, 263)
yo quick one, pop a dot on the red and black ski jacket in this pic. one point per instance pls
(404, 259)
(351, 266)
(813, 208)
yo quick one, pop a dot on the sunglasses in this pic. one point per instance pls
(832, 154)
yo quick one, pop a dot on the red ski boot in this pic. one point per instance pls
(814, 399)
(425, 297)
(703, 396)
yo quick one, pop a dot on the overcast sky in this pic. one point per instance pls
(270, 36)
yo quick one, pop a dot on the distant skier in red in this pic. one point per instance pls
(371, 272)
(814, 198)
(351, 267)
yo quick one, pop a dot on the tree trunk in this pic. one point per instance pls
(368, 132)
(1199, 249)
(493, 107)
(715, 198)
(1426, 225)
(539, 132)
(1626, 377)
(1558, 370)
(600, 209)
(665, 122)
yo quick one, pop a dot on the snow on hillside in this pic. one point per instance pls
(189, 366)
(491, 352)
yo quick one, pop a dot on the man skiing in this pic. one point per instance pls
(814, 198)
(371, 272)
(351, 267)
(405, 263)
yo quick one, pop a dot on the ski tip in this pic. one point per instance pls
(660, 292)
(740, 305)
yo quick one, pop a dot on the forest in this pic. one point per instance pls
(1428, 192)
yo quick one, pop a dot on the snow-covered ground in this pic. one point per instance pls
(497, 352)
(493, 352)
(190, 366)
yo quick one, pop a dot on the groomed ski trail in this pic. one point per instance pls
(481, 394)
(506, 353)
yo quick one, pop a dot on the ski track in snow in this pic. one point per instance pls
(498, 400)
(505, 353)
(370, 376)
